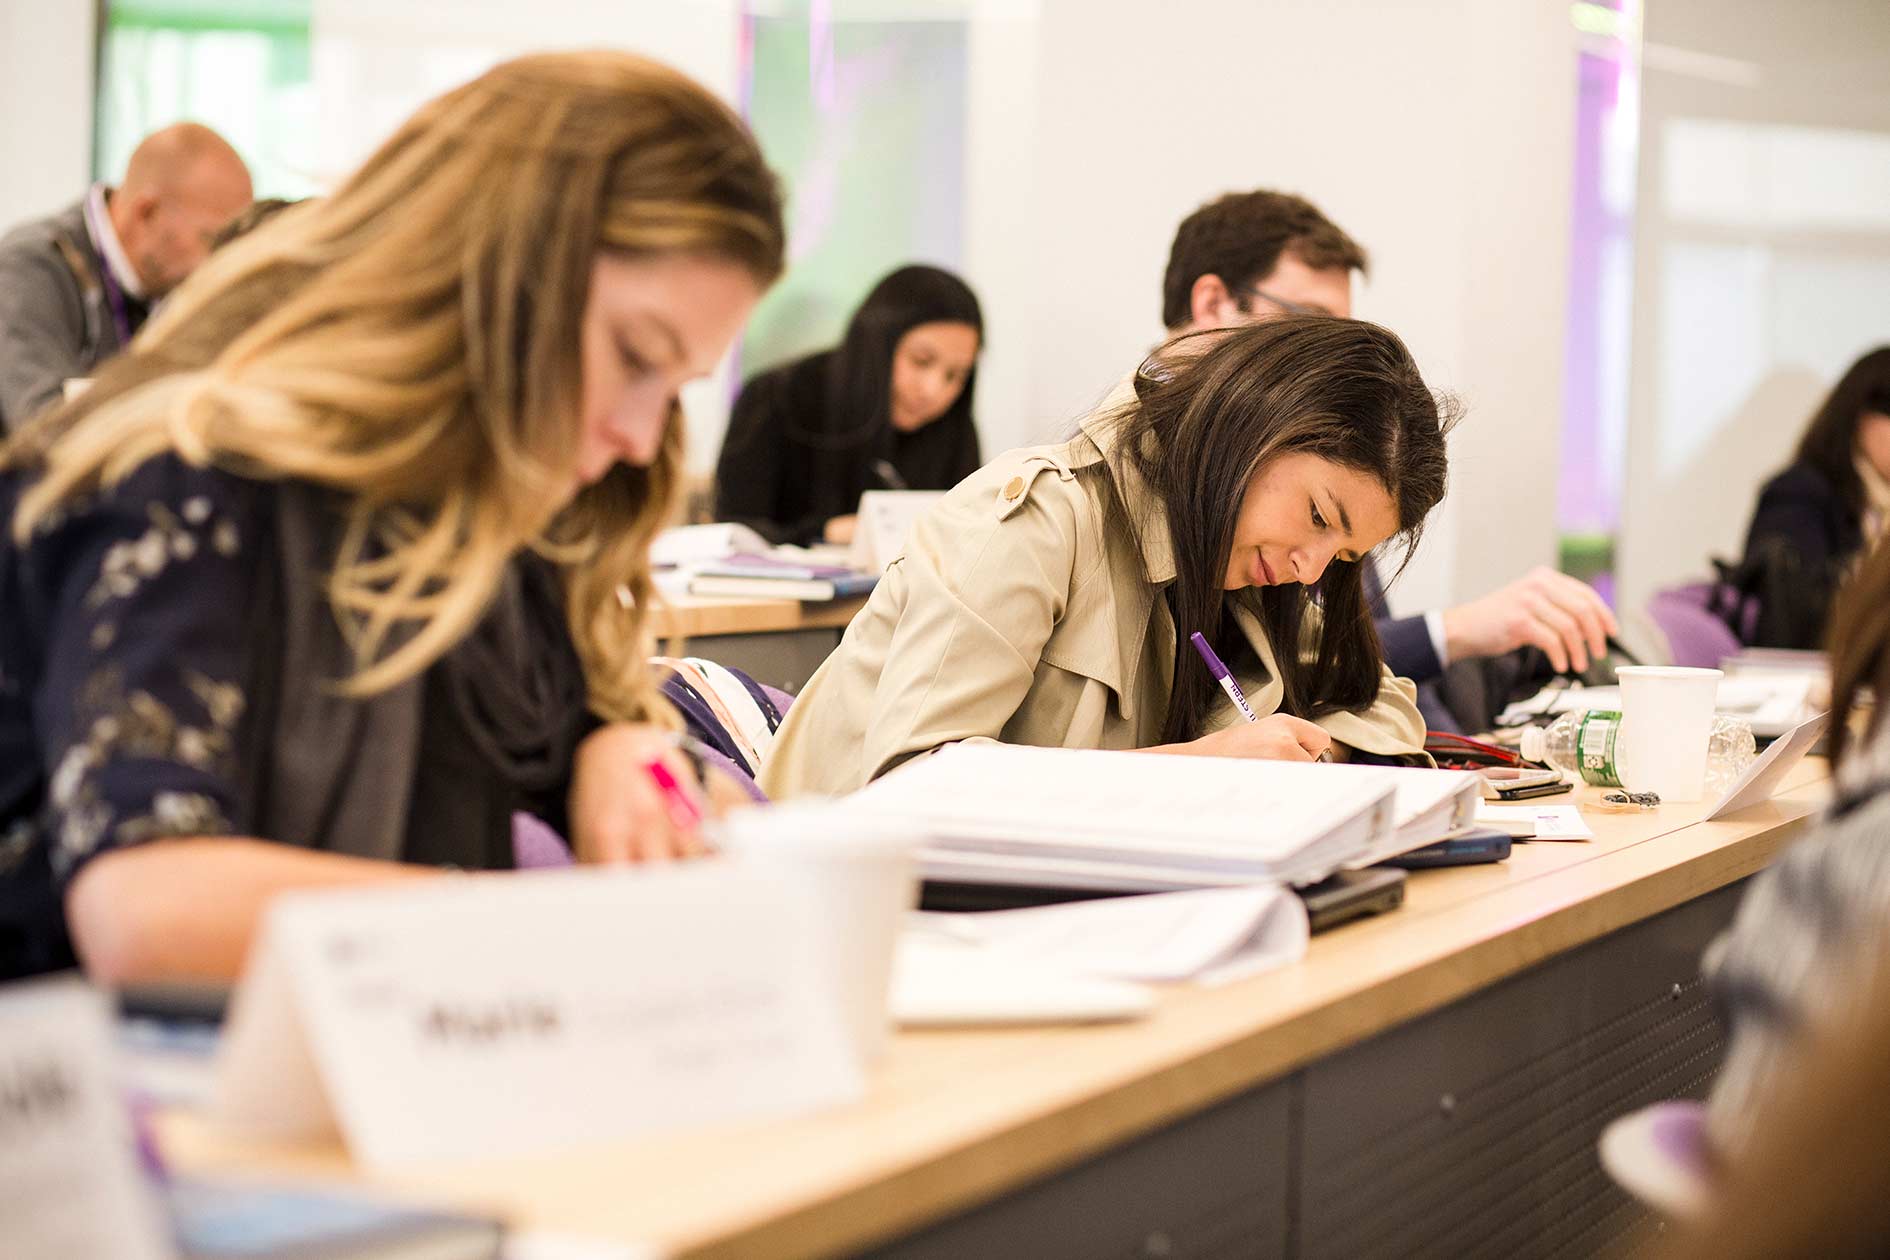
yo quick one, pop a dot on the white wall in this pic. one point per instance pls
(46, 73)
(1440, 135)
(1762, 258)
(375, 63)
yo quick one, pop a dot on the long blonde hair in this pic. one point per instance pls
(412, 342)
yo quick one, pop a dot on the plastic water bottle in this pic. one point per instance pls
(1586, 744)
(1730, 748)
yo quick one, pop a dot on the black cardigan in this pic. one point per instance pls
(785, 472)
(1802, 539)
(1803, 510)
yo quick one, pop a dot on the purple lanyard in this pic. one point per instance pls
(114, 295)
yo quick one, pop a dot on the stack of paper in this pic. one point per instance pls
(776, 576)
(1089, 960)
(682, 546)
(938, 982)
(1138, 822)
(1212, 933)
(730, 559)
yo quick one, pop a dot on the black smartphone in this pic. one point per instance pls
(1524, 791)
(1519, 783)
(1349, 895)
(1486, 845)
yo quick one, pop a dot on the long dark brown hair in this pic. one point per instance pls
(1216, 407)
(859, 392)
(1860, 647)
(1830, 441)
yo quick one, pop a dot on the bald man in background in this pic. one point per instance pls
(75, 287)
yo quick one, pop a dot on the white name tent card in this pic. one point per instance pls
(1761, 779)
(70, 1180)
(501, 1016)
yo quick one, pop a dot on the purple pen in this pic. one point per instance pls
(1232, 688)
(1221, 676)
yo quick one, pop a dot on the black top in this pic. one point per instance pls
(140, 679)
(785, 470)
(1802, 510)
(1803, 539)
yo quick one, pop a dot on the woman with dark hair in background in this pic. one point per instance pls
(1814, 518)
(1050, 597)
(887, 409)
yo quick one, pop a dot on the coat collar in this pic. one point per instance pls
(1145, 509)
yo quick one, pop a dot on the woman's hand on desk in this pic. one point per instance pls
(1276, 738)
(840, 529)
(618, 811)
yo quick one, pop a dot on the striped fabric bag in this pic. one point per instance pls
(725, 710)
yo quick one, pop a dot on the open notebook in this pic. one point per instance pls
(1136, 822)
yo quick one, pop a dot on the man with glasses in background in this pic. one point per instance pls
(1257, 255)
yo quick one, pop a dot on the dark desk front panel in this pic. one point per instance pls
(1213, 1187)
(1471, 1132)
(1467, 1133)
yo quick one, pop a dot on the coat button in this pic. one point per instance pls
(1014, 487)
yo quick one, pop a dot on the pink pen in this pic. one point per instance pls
(684, 813)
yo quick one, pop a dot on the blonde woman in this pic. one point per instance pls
(320, 583)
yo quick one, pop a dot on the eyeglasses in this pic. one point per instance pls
(1289, 308)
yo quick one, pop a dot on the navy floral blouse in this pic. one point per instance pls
(126, 654)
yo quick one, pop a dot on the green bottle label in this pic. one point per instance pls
(1595, 735)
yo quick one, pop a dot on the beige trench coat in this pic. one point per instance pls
(1018, 613)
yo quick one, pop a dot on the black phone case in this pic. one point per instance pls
(1527, 793)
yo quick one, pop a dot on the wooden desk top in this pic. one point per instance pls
(956, 1118)
(693, 616)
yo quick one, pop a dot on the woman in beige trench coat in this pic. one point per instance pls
(1050, 597)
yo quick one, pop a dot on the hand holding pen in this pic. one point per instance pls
(1279, 737)
(634, 798)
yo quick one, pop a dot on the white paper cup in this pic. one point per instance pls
(859, 876)
(1666, 719)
